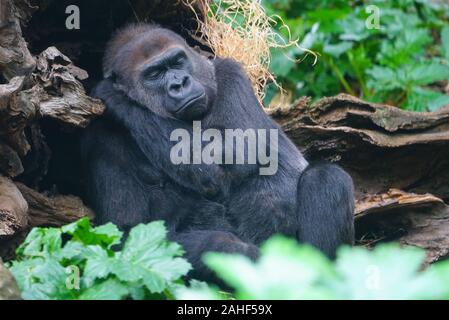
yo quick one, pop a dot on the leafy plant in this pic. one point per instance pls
(79, 261)
(53, 261)
(405, 62)
(287, 270)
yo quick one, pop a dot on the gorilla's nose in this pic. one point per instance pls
(180, 86)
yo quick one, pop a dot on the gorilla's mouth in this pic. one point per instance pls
(191, 102)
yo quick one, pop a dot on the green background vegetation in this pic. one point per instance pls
(404, 63)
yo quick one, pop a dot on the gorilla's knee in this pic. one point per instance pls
(328, 180)
(326, 207)
(229, 243)
(198, 242)
(326, 174)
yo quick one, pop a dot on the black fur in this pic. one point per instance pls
(227, 208)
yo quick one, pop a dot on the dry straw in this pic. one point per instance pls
(241, 29)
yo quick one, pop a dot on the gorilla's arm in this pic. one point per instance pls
(236, 104)
(124, 189)
(147, 129)
(237, 107)
(112, 188)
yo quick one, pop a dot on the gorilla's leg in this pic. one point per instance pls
(198, 242)
(325, 208)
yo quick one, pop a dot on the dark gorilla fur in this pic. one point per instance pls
(155, 83)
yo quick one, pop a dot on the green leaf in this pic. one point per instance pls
(336, 50)
(440, 271)
(427, 73)
(98, 268)
(386, 273)
(74, 250)
(445, 42)
(406, 47)
(303, 270)
(144, 242)
(353, 28)
(425, 100)
(48, 282)
(40, 242)
(23, 272)
(198, 290)
(283, 61)
(148, 267)
(111, 235)
(110, 289)
(106, 235)
(149, 256)
(383, 79)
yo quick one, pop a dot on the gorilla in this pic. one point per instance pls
(155, 84)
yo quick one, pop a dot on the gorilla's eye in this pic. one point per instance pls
(179, 61)
(153, 73)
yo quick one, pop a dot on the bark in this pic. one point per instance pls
(58, 93)
(8, 286)
(52, 211)
(15, 58)
(13, 209)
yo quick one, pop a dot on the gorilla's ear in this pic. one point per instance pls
(115, 81)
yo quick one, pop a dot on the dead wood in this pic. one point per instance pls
(8, 286)
(52, 210)
(13, 209)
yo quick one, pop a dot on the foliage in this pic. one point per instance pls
(287, 270)
(405, 62)
(148, 266)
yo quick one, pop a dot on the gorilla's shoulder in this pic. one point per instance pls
(228, 71)
(227, 66)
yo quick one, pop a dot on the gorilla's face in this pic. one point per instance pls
(158, 70)
(172, 75)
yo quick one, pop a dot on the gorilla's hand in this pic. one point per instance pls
(211, 181)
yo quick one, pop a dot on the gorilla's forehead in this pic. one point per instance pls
(154, 44)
